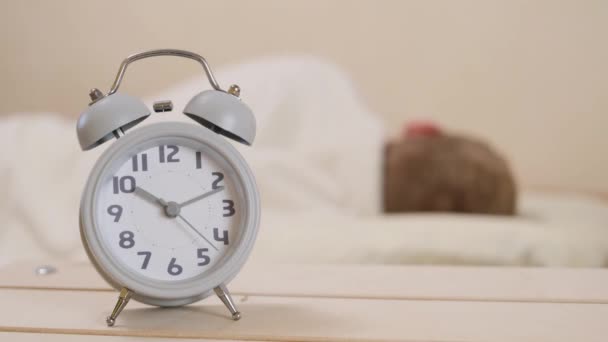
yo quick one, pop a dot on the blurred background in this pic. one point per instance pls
(532, 75)
(528, 76)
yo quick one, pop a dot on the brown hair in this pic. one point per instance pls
(447, 173)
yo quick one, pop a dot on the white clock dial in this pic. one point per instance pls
(169, 210)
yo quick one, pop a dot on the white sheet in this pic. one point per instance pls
(564, 230)
(317, 159)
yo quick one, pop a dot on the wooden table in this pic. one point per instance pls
(321, 303)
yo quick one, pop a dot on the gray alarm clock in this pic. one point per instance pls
(170, 211)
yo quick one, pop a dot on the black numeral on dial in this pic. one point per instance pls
(199, 160)
(174, 269)
(217, 237)
(228, 208)
(126, 239)
(124, 184)
(205, 259)
(116, 211)
(218, 178)
(147, 256)
(140, 160)
(170, 156)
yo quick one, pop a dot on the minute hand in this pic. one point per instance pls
(200, 197)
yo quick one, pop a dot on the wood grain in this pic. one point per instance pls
(306, 319)
(365, 281)
(322, 303)
(36, 337)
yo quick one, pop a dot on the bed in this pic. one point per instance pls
(329, 221)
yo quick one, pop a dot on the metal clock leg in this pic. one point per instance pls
(222, 292)
(123, 299)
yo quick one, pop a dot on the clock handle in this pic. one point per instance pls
(222, 292)
(163, 52)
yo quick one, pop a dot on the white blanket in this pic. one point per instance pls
(317, 159)
(314, 137)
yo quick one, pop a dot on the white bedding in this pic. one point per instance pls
(565, 230)
(317, 160)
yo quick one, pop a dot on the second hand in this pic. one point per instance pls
(197, 232)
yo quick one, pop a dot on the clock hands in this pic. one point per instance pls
(147, 195)
(190, 201)
(157, 200)
(196, 231)
(200, 197)
(172, 209)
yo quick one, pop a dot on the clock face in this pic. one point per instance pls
(170, 209)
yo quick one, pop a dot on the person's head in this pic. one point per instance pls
(427, 170)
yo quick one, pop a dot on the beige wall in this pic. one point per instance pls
(531, 76)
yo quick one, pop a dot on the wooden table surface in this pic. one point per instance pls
(321, 303)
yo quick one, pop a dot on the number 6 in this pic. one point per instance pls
(173, 268)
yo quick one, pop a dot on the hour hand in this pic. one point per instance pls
(147, 195)
(200, 197)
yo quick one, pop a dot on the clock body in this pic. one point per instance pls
(170, 211)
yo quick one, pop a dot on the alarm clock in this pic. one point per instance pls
(170, 211)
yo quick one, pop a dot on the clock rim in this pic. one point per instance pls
(185, 291)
